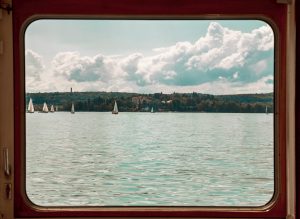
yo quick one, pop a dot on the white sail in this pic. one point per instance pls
(266, 110)
(115, 110)
(72, 108)
(52, 109)
(45, 108)
(30, 106)
(152, 111)
(56, 108)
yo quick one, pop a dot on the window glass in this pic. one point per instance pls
(149, 112)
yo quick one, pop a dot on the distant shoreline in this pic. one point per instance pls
(160, 102)
(109, 112)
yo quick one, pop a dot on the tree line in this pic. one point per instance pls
(160, 102)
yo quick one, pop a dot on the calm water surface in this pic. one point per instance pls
(149, 159)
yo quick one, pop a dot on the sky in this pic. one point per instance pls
(149, 56)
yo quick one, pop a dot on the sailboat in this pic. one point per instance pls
(152, 111)
(115, 110)
(52, 109)
(30, 107)
(45, 108)
(72, 108)
(266, 110)
(56, 108)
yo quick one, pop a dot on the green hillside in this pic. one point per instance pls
(175, 102)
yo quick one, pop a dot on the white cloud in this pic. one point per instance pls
(259, 66)
(220, 52)
(235, 75)
(222, 59)
(34, 65)
(81, 69)
(37, 77)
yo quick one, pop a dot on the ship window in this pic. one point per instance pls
(149, 112)
(150, 109)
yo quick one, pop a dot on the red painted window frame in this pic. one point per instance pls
(25, 11)
(297, 119)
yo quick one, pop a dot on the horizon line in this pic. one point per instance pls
(148, 93)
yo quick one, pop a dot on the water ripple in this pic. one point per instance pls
(143, 159)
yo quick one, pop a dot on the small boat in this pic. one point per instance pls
(45, 108)
(152, 111)
(115, 110)
(30, 107)
(72, 108)
(52, 109)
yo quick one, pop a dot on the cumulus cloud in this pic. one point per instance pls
(37, 77)
(34, 65)
(82, 69)
(221, 59)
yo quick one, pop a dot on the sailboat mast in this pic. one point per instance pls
(72, 108)
(52, 109)
(45, 108)
(30, 108)
(115, 110)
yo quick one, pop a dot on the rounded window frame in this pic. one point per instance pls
(25, 208)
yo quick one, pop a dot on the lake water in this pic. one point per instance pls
(149, 159)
